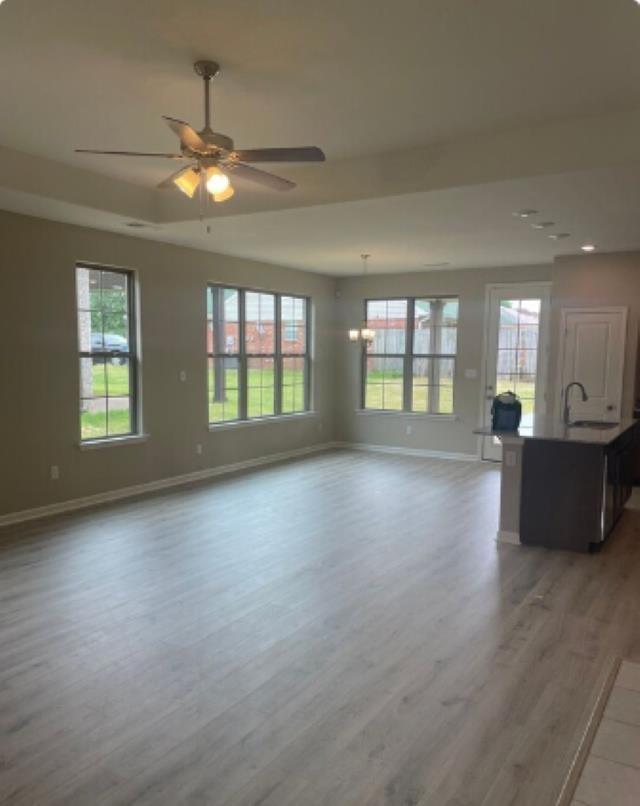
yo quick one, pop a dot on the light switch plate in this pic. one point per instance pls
(471, 374)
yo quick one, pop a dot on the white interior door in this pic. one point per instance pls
(593, 353)
(516, 351)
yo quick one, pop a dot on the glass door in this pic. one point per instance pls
(515, 352)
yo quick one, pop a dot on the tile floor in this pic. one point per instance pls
(611, 775)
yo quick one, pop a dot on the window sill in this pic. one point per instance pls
(449, 418)
(302, 415)
(93, 444)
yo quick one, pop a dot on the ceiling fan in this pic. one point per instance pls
(212, 157)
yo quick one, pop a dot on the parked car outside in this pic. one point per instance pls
(110, 343)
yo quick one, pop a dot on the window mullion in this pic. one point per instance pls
(307, 355)
(132, 357)
(242, 358)
(408, 357)
(277, 362)
(436, 345)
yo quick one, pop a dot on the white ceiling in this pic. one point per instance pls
(411, 102)
(463, 227)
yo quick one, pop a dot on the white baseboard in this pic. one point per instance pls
(200, 475)
(513, 538)
(152, 486)
(422, 453)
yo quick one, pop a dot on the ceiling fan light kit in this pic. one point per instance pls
(187, 181)
(224, 194)
(217, 182)
(213, 157)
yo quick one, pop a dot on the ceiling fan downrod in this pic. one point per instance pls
(207, 70)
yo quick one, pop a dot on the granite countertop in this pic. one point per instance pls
(546, 427)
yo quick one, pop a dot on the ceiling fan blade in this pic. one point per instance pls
(189, 137)
(302, 154)
(169, 182)
(130, 153)
(268, 180)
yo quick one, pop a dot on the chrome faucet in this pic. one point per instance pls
(567, 408)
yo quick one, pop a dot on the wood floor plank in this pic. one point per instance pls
(337, 631)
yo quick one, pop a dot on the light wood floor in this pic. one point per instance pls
(340, 630)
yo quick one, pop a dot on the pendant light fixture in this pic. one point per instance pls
(364, 333)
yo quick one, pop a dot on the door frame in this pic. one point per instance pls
(564, 312)
(543, 346)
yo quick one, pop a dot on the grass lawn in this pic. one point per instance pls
(388, 396)
(260, 403)
(260, 394)
(93, 425)
(117, 376)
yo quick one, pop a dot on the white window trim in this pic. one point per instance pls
(111, 442)
(408, 357)
(278, 356)
(273, 418)
(420, 415)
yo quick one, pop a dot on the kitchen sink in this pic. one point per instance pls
(597, 424)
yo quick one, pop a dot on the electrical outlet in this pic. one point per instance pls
(183, 375)
(55, 472)
(199, 449)
(409, 430)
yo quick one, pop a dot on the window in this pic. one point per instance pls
(410, 364)
(108, 361)
(293, 346)
(257, 345)
(223, 344)
(384, 388)
(517, 357)
(260, 351)
(435, 341)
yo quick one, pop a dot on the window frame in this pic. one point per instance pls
(132, 356)
(278, 356)
(408, 358)
(281, 355)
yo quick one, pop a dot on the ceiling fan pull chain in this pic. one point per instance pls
(201, 204)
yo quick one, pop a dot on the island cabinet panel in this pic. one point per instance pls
(574, 493)
(562, 494)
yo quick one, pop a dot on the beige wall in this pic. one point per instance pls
(39, 366)
(592, 281)
(428, 433)
(40, 376)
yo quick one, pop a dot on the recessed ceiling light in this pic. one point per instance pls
(559, 236)
(588, 247)
(525, 213)
(545, 224)
(443, 264)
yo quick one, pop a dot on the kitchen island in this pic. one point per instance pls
(564, 486)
